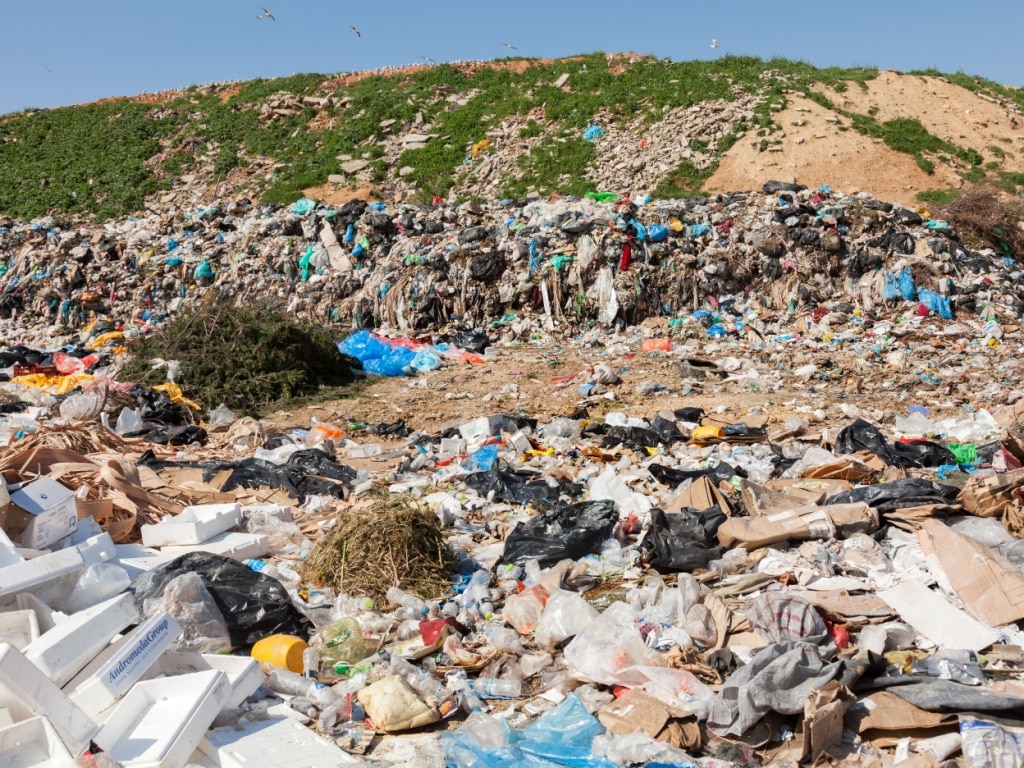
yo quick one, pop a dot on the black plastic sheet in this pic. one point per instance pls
(563, 532)
(254, 605)
(684, 540)
(899, 494)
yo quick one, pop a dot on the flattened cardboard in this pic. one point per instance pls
(883, 718)
(700, 494)
(934, 617)
(990, 586)
(823, 719)
(632, 712)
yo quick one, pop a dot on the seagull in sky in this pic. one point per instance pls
(510, 46)
(355, 31)
(428, 60)
(46, 68)
(265, 15)
(714, 43)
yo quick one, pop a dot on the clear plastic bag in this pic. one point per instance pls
(97, 583)
(566, 614)
(188, 601)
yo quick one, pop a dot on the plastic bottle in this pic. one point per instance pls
(532, 663)
(405, 600)
(425, 684)
(342, 641)
(497, 688)
(337, 712)
(280, 571)
(303, 705)
(283, 681)
(311, 663)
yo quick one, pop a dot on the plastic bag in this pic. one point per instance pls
(523, 610)
(283, 538)
(991, 744)
(474, 341)
(95, 584)
(302, 206)
(936, 303)
(363, 346)
(82, 407)
(188, 601)
(658, 232)
(891, 289)
(898, 494)
(221, 416)
(906, 283)
(203, 270)
(682, 541)
(253, 606)
(483, 459)
(520, 487)
(393, 705)
(564, 532)
(565, 615)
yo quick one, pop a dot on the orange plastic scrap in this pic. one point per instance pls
(481, 146)
(471, 358)
(656, 345)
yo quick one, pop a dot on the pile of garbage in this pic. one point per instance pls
(570, 262)
(672, 587)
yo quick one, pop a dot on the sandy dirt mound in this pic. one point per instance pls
(945, 110)
(814, 149)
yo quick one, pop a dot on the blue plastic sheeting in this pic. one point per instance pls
(593, 132)
(899, 286)
(382, 359)
(560, 737)
(936, 303)
(658, 232)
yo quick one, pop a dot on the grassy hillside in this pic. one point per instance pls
(105, 159)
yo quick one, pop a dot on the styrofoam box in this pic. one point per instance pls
(160, 722)
(9, 554)
(136, 558)
(19, 628)
(234, 544)
(33, 743)
(25, 691)
(134, 654)
(243, 672)
(40, 570)
(193, 525)
(279, 743)
(63, 651)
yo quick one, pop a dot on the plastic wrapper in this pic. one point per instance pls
(186, 598)
(563, 532)
(991, 743)
(221, 416)
(95, 584)
(523, 610)
(521, 487)
(898, 494)
(252, 605)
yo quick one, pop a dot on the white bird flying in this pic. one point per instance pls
(714, 43)
(355, 31)
(265, 15)
(510, 46)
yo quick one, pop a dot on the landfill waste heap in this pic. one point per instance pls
(727, 566)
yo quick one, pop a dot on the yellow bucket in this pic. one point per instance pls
(284, 651)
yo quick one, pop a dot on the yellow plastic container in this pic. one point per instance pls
(705, 433)
(282, 651)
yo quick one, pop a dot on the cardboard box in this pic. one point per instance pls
(40, 513)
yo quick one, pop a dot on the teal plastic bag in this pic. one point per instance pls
(203, 270)
(657, 232)
(936, 303)
(907, 290)
(304, 263)
(303, 206)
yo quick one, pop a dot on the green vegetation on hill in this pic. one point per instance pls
(104, 159)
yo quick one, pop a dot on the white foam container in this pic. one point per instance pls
(132, 656)
(64, 651)
(234, 544)
(278, 743)
(161, 722)
(136, 558)
(193, 525)
(19, 628)
(26, 692)
(9, 554)
(33, 743)
(243, 672)
(40, 570)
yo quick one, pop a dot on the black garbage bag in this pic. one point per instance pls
(864, 436)
(474, 341)
(519, 487)
(254, 605)
(683, 540)
(157, 406)
(672, 477)
(315, 462)
(899, 494)
(771, 187)
(182, 434)
(563, 532)
(922, 453)
(689, 415)
(487, 268)
(667, 430)
(634, 438)
(396, 428)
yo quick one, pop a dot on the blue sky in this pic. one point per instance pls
(57, 52)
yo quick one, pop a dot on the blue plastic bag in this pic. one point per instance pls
(425, 360)
(350, 234)
(397, 361)
(891, 291)
(936, 303)
(717, 330)
(658, 232)
(593, 132)
(907, 289)
(482, 459)
(696, 230)
(302, 206)
(639, 229)
(304, 263)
